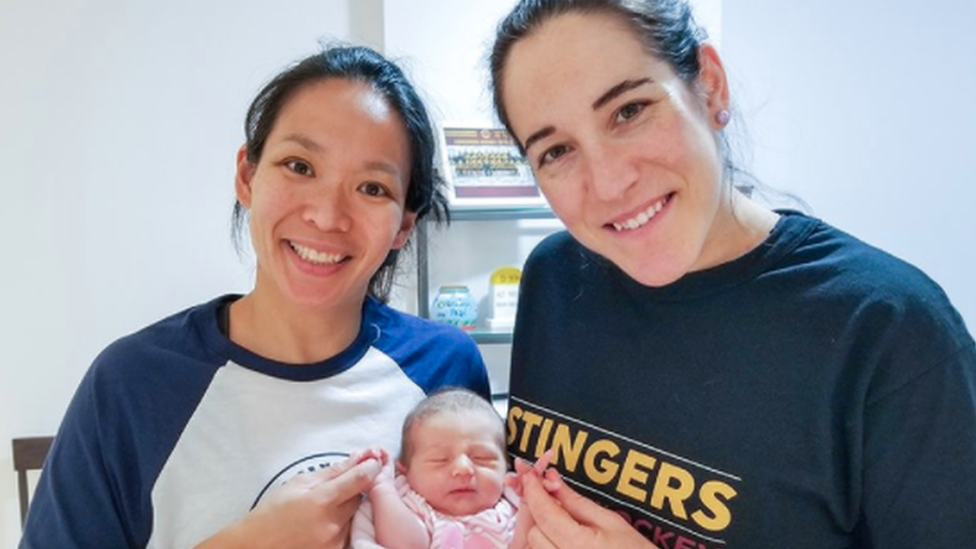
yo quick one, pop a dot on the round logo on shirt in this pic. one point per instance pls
(310, 464)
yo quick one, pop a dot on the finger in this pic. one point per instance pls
(551, 480)
(546, 510)
(378, 454)
(582, 509)
(543, 462)
(354, 481)
(370, 453)
(512, 481)
(348, 508)
(336, 469)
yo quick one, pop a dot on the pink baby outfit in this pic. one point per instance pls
(490, 529)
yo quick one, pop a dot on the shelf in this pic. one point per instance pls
(499, 213)
(491, 337)
(491, 214)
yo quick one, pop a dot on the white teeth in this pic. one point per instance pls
(312, 256)
(642, 218)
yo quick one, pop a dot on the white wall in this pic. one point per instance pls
(866, 110)
(119, 123)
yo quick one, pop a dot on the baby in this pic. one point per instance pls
(450, 488)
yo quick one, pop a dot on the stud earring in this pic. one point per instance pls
(722, 117)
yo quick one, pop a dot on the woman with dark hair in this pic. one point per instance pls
(229, 424)
(713, 372)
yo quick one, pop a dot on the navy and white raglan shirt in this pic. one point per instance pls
(176, 432)
(814, 393)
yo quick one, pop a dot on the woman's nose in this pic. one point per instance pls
(610, 172)
(327, 209)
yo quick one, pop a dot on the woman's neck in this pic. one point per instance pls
(755, 220)
(740, 227)
(285, 332)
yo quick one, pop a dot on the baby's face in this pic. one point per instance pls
(457, 464)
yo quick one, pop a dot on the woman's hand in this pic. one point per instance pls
(386, 478)
(563, 519)
(311, 511)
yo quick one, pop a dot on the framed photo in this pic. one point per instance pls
(484, 169)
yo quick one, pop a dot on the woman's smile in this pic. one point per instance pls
(643, 217)
(314, 257)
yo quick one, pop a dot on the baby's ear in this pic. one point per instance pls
(401, 468)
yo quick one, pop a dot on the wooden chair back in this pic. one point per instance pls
(29, 454)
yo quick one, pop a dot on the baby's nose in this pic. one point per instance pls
(462, 466)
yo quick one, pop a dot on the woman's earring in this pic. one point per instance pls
(722, 117)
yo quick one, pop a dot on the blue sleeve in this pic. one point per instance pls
(120, 427)
(469, 371)
(82, 499)
(450, 359)
(433, 355)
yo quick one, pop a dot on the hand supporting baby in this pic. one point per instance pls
(310, 510)
(384, 479)
(524, 521)
(554, 516)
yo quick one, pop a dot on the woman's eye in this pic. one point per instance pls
(552, 154)
(371, 188)
(298, 166)
(628, 111)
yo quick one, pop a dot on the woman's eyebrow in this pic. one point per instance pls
(541, 134)
(385, 167)
(607, 96)
(619, 89)
(310, 145)
(303, 141)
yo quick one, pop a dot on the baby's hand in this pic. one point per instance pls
(378, 454)
(385, 475)
(383, 480)
(523, 467)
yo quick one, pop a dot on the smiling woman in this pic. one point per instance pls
(327, 207)
(187, 433)
(713, 372)
(630, 120)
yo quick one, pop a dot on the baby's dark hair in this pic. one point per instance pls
(449, 400)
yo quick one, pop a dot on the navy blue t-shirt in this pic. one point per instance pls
(816, 392)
